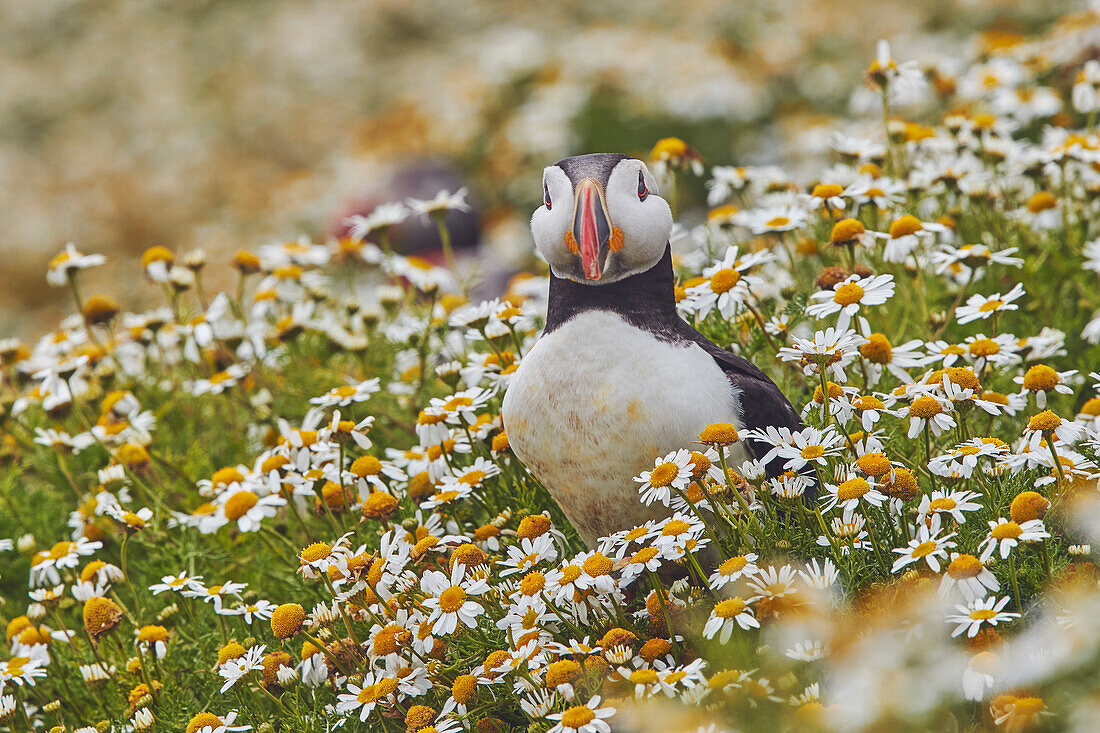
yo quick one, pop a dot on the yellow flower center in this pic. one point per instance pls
(456, 402)
(239, 504)
(826, 190)
(663, 474)
(570, 573)
(877, 350)
(100, 614)
(943, 504)
(869, 402)
(1046, 421)
(729, 608)
(644, 555)
(315, 552)
(1041, 201)
(1029, 505)
(203, 720)
(965, 566)
(373, 693)
(835, 392)
(561, 672)
(472, 478)
(597, 565)
(990, 305)
(157, 253)
(364, 466)
(60, 550)
(722, 213)
(153, 634)
(847, 294)
(984, 347)
(853, 488)
(668, 147)
(1028, 706)
(675, 527)
(733, 565)
(719, 433)
(643, 676)
(924, 549)
(577, 716)
(226, 476)
(452, 599)
(724, 280)
(905, 226)
(287, 619)
(925, 407)
(1006, 531)
(873, 464)
(1040, 378)
(779, 221)
(464, 688)
(811, 452)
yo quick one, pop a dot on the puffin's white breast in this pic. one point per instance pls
(596, 401)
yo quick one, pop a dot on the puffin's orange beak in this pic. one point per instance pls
(591, 234)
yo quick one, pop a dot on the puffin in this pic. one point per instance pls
(617, 378)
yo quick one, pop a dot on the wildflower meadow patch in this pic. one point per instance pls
(293, 505)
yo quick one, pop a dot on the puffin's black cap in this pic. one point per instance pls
(592, 165)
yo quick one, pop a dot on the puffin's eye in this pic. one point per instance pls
(642, 190)
(546, 195)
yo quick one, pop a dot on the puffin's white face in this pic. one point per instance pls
(595, 231)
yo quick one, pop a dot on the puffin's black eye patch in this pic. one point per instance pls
(642, 190)
(546, 195)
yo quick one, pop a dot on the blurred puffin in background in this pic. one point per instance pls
(617, 378)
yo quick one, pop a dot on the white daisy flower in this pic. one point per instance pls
(728, 284)
(249, 510)
(727, 614)
(587, 718)
(806, 446)
(449, 599)
(942, 502)
(847, 296)
(384, 216)
(347, 394)
(984, 306)
(235, 669)
(443, 201)
(1004, 534)
(57, 272)
(850, 493)
(832, 349)
(739, 566)
(671, 473)
(967, 573)
(377, 688)
(927, 546)
(927, 410)
(982, 611)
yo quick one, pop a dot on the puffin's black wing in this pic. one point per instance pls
(762, 402)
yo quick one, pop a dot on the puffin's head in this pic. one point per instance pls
(601, 218)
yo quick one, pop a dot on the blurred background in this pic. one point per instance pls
(230, 124)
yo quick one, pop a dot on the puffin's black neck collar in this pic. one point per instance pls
(646, 300)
